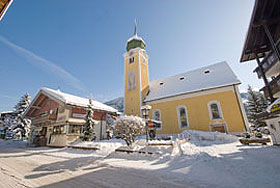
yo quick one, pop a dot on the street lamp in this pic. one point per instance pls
(145, 113)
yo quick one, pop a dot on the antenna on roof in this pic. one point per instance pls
(135, 29)
(58, 88)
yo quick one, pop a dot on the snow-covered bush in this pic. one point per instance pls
(128, 127)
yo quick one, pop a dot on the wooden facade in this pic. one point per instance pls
(263, 44)
(4, 5)
(57, 123)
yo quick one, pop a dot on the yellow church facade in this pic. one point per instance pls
(205, 99)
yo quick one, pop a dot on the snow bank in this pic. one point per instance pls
(209, 136)
(204, 145)
(104, 147)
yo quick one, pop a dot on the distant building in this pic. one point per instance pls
(8, 118)
(205, 99)
(263, 45)
(58, 117)
(4, 5)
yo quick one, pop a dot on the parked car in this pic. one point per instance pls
(9, 136)
(2, 134)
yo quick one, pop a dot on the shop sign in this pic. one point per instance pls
(75, 115)
(275, 107)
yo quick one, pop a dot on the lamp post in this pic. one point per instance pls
(145, 113)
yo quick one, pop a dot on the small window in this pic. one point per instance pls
(182, 117)
(182, 78)
(206, 71)
(215, 110)
(157, 116)
(131, 60)
(161, 83)
(58, 129)
(75, 129)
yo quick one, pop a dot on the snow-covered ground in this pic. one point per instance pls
(206, 160)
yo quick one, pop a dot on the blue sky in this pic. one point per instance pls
(78, 46)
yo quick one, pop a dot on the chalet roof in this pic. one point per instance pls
(69, 99)
(209, 77)
(75, 100)
(4, 5)
(265, 11)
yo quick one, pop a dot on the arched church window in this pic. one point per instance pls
(182, 117)
(215, 110)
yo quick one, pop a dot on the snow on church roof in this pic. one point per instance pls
(75, 100)
(209, 77)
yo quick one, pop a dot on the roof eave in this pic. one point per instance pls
(248, 33)
(189, 92)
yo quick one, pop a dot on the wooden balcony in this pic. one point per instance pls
(46, 116)
(274, 85)
(267, 63)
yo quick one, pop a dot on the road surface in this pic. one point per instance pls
(52, 167)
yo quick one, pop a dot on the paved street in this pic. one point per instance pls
(49, 167)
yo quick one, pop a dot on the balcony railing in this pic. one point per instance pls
(267, 63)
(46, 116)
(274, 85)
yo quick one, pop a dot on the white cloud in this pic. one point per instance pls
(45, 65)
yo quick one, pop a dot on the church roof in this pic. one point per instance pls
(209, 77)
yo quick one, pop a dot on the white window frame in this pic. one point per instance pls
(153, 116)
(219, 108)
(179, 118)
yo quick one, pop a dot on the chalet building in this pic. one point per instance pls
(4, 5)
(57, 117)
(205, 99)
(263, 45)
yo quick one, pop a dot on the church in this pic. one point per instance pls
(205, 99)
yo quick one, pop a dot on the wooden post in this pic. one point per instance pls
(271, 40)
(265, 79)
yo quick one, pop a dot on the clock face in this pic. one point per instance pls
(131, 80)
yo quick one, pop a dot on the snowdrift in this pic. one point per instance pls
(209, 136)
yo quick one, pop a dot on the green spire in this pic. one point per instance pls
(135, 41)
(135, 31)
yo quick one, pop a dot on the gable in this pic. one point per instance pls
(41, 104)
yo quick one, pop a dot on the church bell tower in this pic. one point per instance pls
(136, 74)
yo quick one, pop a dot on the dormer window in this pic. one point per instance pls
(131, 60)
(206, 71)
(182, 78)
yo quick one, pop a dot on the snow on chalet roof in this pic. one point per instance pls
(209, 77)
(77, 101)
